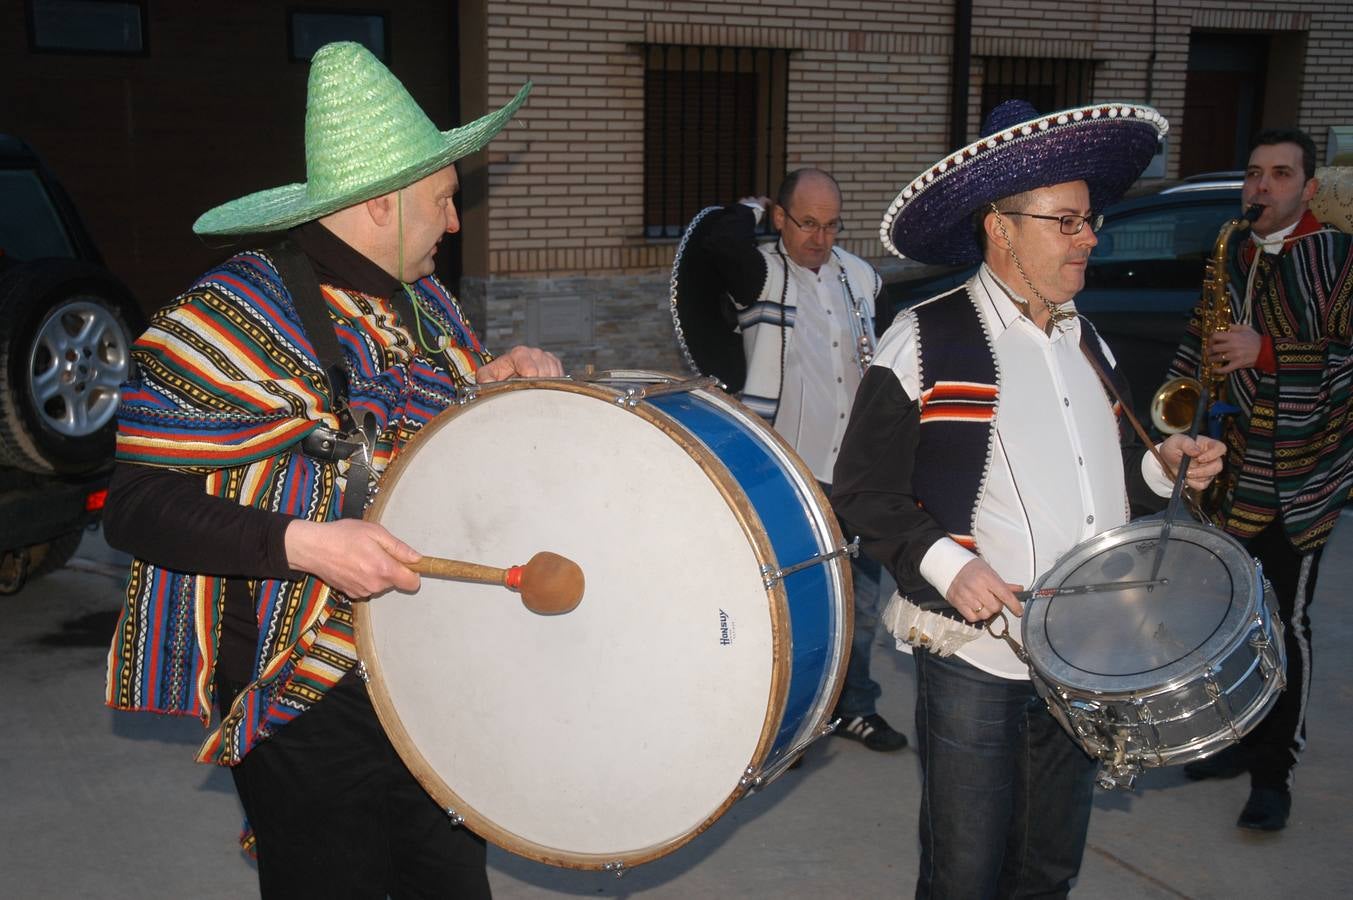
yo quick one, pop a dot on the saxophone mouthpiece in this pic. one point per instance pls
(1250, 215)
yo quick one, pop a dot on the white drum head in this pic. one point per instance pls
(612, 733)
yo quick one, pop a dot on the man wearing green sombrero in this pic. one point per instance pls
(269, 397)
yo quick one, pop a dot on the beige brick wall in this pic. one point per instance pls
(868, 100)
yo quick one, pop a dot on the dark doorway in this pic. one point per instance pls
(1223, 100)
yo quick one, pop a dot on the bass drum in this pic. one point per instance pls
(689, 673)
(1163, 675)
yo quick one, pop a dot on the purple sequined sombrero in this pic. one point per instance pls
(1106, 145)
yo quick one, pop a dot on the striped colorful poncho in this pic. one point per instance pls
(1290, 446)
(227, 385)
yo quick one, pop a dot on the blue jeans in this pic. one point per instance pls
(859, 693)
(1005, 793)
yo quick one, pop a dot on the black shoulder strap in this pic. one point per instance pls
(301, 282)
(299, 277)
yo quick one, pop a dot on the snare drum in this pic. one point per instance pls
(1156, 676)
(694, 668)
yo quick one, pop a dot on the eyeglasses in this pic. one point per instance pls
(1069, 224)
(811, 227)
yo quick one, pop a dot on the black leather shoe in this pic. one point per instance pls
(1229, 763)
(1266, 810)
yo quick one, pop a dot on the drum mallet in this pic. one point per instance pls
(549, 583)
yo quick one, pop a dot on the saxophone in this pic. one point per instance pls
(1175, 404)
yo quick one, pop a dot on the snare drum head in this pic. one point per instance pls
(616, 731)
(1139, 639)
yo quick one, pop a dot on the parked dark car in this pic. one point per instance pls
(66, 328)
(1144, 277)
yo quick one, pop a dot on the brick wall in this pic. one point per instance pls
(868, 100)
(142, 144)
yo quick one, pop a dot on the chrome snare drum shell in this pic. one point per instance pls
(1144, 677)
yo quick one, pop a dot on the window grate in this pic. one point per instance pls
(1049, 84)
(714, 129)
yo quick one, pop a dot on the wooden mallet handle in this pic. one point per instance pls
(549, 583)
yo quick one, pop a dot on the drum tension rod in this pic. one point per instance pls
(770, 575)
(634, 396)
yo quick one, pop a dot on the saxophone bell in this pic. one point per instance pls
(1175, 403)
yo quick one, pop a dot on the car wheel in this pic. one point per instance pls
(49, 557)
(19, 565)
(65, 349)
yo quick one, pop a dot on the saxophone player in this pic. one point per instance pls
(1288, 370)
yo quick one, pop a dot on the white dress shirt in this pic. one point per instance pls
(822, 370)
(1055, 477)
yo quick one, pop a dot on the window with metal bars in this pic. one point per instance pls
(1049, 84)
(714, 129)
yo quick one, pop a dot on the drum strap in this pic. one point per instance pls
(352, 444)
(1189, 493)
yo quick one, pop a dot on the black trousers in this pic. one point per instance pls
(1274, 745)
(337, 814)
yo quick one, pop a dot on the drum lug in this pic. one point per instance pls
(770, 575)
(1148, 718)
(617, 868)
(632, 397)
(1117, 776)
(456, 818)
(1259, 643)
(1215, 693)
(1081, 714)
(1270, 665)
(1144, 714)
(1213, 689)
(1258, 640)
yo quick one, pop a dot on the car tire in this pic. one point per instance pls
(66, 330)
(21, 565)
(47, 558)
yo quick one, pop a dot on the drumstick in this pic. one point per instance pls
(1047, 593)
(549, 583)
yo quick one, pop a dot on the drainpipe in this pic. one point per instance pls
(1151, 59)
(958, 88)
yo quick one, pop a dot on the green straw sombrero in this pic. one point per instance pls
(364, 137)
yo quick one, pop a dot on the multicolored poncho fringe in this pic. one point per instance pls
(227, 386)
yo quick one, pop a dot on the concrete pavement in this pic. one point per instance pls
(110, 805)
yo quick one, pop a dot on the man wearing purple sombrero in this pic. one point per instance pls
(982, 446)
